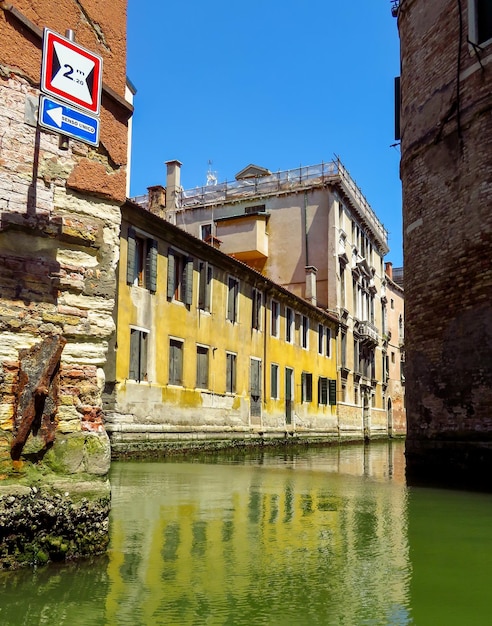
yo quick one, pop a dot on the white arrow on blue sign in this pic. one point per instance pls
(68, 121)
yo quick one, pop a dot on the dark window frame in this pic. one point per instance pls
(179, 277)
(141, 267)
(176, 353)
(138, 365)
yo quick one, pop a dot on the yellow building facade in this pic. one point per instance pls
(207, 348)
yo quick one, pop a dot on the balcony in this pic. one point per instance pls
(244, 236)
(368, 332)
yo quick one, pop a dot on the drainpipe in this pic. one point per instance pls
(306, 242)
(265, 334)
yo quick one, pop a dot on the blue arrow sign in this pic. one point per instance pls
(68, 121)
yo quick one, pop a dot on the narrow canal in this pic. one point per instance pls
(318, 536)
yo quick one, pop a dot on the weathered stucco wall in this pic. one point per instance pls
(446, 171)
(59, 228)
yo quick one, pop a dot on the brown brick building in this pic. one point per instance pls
(446, 172)
(59, 229)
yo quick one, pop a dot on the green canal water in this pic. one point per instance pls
(317, 536)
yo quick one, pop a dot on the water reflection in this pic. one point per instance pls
(326, 536)
(318, 537)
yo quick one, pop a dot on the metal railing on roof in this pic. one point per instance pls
(283, 182)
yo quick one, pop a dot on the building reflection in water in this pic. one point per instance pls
(314, 537)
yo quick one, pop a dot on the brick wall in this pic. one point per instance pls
(446, 172)
(59, 218)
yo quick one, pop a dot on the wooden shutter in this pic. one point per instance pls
(232, 299)
(205, 279)
(255, 377)
(202, 367)
(171, 262)
(151, 269)
(175, 362)
(274, 381)
(134, 360)
(188, 281)
(322, 390)
(231, 373)
(143, 356)
(332, 386)
(208, 287)
(130, 259)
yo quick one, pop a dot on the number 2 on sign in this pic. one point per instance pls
(69, 72)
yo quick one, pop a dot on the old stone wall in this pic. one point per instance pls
(59, 228)
(446, 171)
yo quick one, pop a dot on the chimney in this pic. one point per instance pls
(157, 200)
(388, 269)
(311, 272)
(173, 184)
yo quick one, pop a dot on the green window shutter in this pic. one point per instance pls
(188, 281)
(151, 269)
(171, 262)
(143, 355)
(175, 362)
(130, 259)
(134, 358)
(332, 386)
(230, 300)
(255, 377)
(202, 284)
(322, 390)
(202, 368)
(209, 287)
(231, 373)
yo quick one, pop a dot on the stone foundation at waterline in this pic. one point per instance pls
(54, 522)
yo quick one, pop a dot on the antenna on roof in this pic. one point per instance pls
(211, 176)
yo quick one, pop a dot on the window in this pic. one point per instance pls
(275, 306)
(324, 340)
(257, 208)
(306, 387)
(392, 303)
(206, 232)
(256, 309)
(322, 390)
(138, 355)
(179, 277)
(480, 12)
(204, 285)
(356, 395)
(141, 268)
(230, 372)
(232, 298)
(202, 367)
(274, 381)
(392, 357)
(289, 325)
(332, 392)
(175, 362)
(328, 342)
(343, 348)
(357, 366)
(304, 331)
(342, 286)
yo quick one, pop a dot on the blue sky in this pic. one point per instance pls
(278, 84)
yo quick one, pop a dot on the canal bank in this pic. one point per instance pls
(183, 444)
